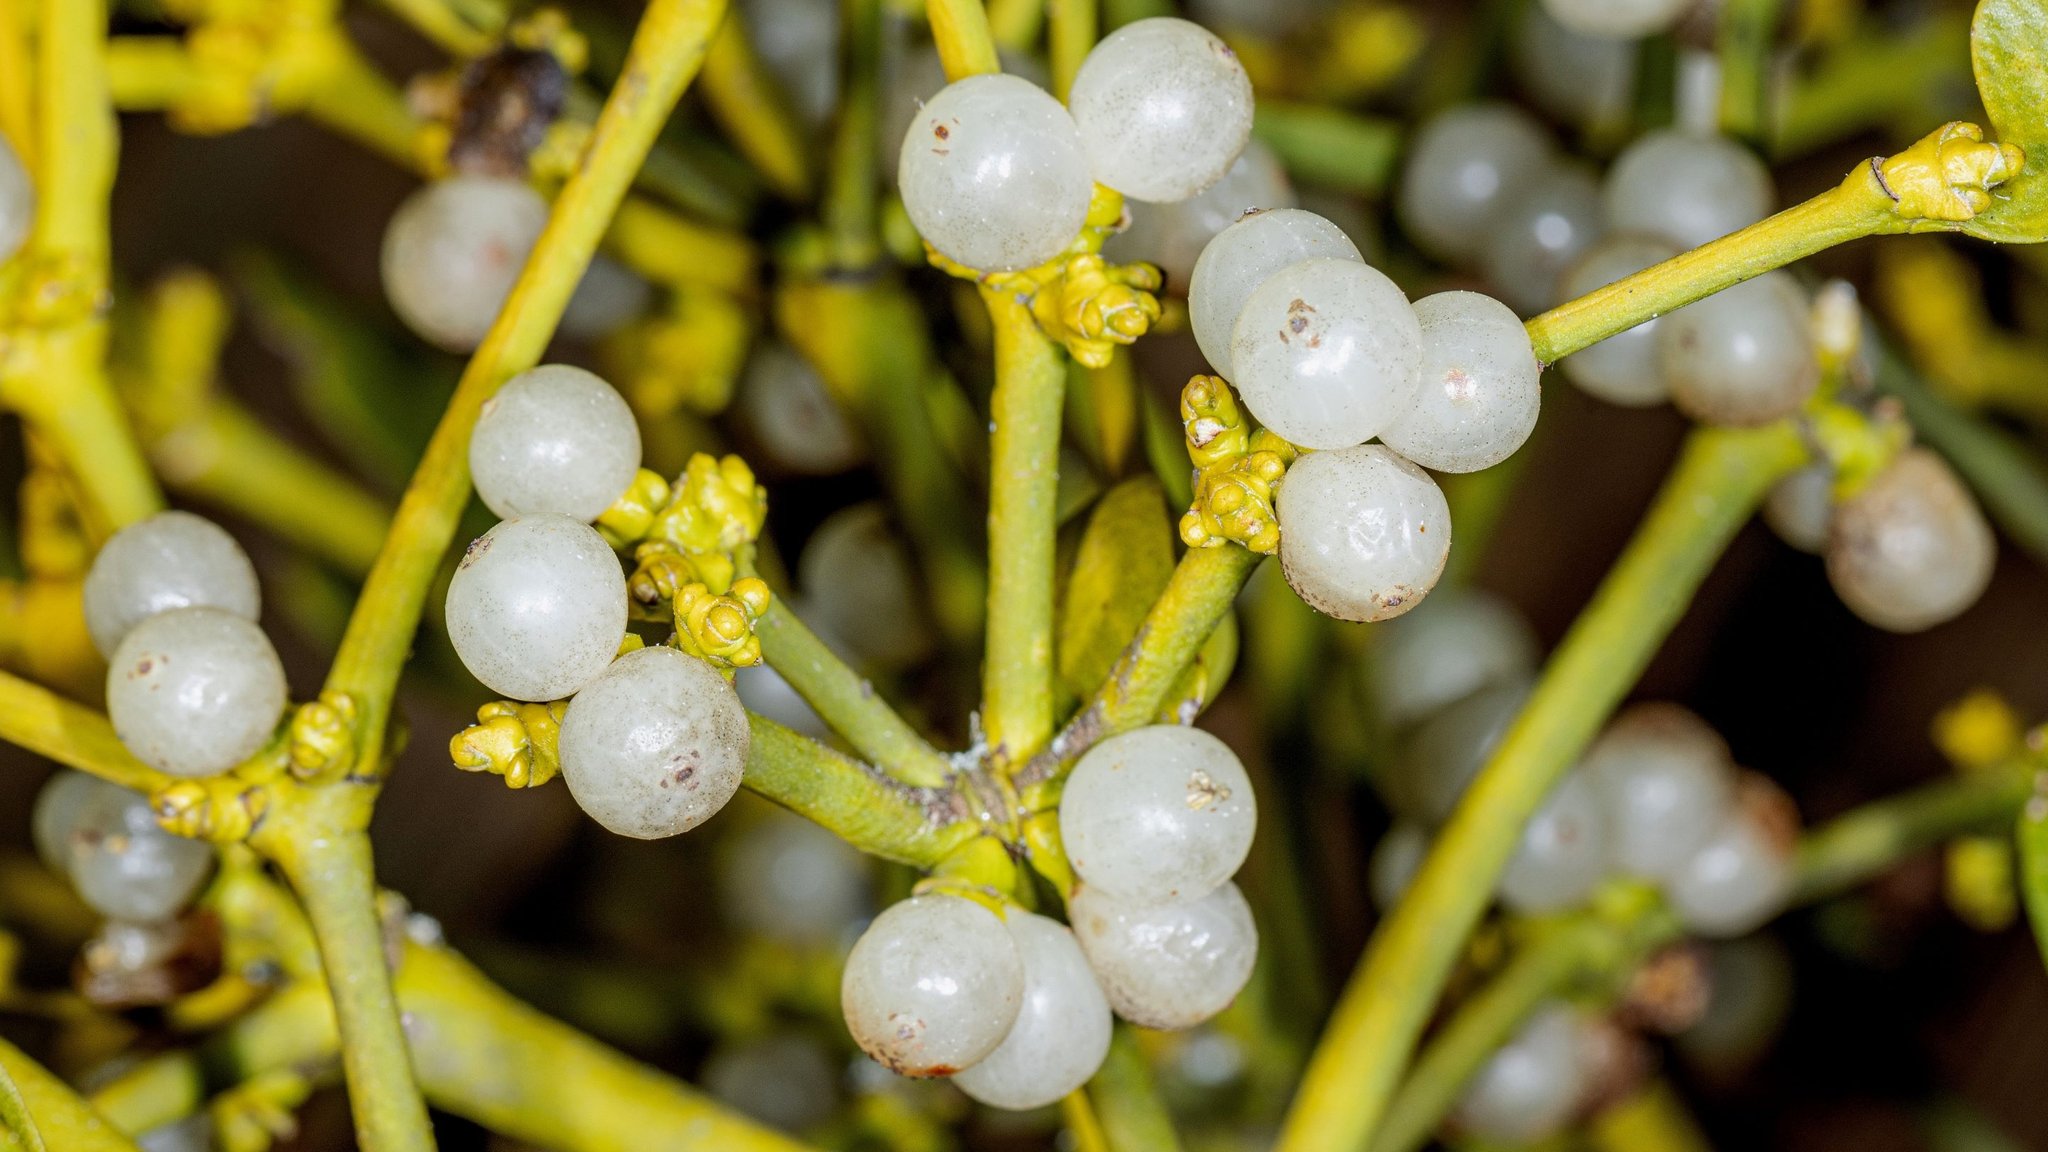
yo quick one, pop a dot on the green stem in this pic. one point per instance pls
(35, 718)
(1072, 31)
(960, 30)
(1132, 1115)
(1482, 1024)
(850, 208)
(333, 877)
(878, 815)
(1858, 845)
(1857, 207)
(2030, 838)
(62, 1120)
(667, 50)
(1031, 377)
(1721, 476)
(1748, 34)
(2000, 469)
(1876, 79)
(846, 701)
(1205, 584)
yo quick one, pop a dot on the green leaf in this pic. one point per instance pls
(2009, 51)
(1123, 563)
(2031, 838)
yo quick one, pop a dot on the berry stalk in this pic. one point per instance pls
(1720, 478)
(60, 1118)
(846, 701)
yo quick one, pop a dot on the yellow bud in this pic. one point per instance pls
(1978, 731)
(1980, 886)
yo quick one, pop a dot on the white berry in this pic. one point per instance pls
(1328, 353)
(1363, 533)
(453, 251)
(1685, 188)
(1563, 852)
(1625, 368)
(1666, 781)
(171, 560)
(1240, 258)
(1459, 642)
(195, 691)
(1164, 108)
(1062, 1030)
(790, 880)
(1479, 395)
(789, 413)
(106, 840)
(1462, 166)
(1742, 356)
(1912, 549)
(1167, 965)
(1529, 1087)
(537, 607)
(655, 745)
(555, 440)
(1174, 235)
(1157, 814)
(17, 202)
(932, 986)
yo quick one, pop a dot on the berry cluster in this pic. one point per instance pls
(1016, 1007)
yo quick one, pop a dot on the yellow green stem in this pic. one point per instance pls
(754, 112)
(17, 82)
(1015, 24)
(63, 1121)
(960, 29)
(1859, 206)
(1133, 1117)
(1720, 477)
(1073, 28)
(851, 190)
(35, 718)
(332, 873)
(1030, 393)
(667, 50)
(443, 25)
(867, 809)
(847, 702)
(1747, 41)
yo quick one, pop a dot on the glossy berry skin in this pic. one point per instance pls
(1625, 368)
(1479, 395)
(1158, 814)
(1563, 853)
(1666, 781)
(170, 560)
(1328, 353)
(106, 841)
(1062, 1030)
(1912, 549)
(933, 986)
(1395, 861)
(1743, 873)
(789, 413)
(1583, 80)
(790, 880)
(1463, 166)
(1243, 256)
(555, 440)
(1617, 19)
(655, 745)
(537, 607)
(1743, 356)
(993, 174)
(1539, 233)
(1164, 108)
(1363, 533)
(1461, 641)
(1529, 1087)
(1801, 508)
(862, 591)
(453, 251)
(609, 297)
(1686, 188)
(1167, 965)
(195, 691)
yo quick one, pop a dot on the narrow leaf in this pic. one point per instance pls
(1123, 563)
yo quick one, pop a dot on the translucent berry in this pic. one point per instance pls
(1240, 258)
(537, 608)
(932, 986)
(453, 251)
(1625, 368)
(785, 1080)
(791, 416)
(171, 560)
(1173, 236)
(1158, 814)
(1463, 165)
(195, 691)
(1685, 188)
(1666, 781)
(1328, 353)
(1617, 19)
(763, 690)
(911, 77)
(1395, 861)
(861, 588)
(1164, 108)
(1911, 550)
(1743, 873)
(993, 174)
(1750, 994)
(1167, 965)
(1363, 533)
(17, 202)
(1801, 508)
(556, 440)
(1529, 1087)
(1479, 394)
(655, 745)
(1461, 641)
(609, 297)
(1438, 761)
(1585, 80)
(1542, 229)
(1563, 853)
(105, 839)
(1062, 1030)
(790, 880)
(798, 41)
(1742, 356)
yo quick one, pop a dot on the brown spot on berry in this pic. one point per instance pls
(942, 132)
(475, 551)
